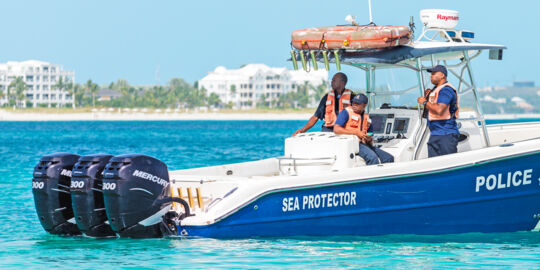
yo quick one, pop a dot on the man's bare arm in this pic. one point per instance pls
(436, 108)
(311, 122)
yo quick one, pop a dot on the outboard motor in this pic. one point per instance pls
(138, 197)
(50, 186)
(87, 196)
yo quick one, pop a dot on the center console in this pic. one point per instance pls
(391, 124)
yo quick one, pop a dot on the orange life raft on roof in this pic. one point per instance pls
(350, 37)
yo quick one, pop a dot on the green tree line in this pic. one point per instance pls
(176, 94)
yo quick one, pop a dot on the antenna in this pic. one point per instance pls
(411, 27)
(352, 19)
(370, 17)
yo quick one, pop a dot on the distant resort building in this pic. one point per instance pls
(40, 79)
(524, 84)
(106, 94)
(255, 83)
(520, 97)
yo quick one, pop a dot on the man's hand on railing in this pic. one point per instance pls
(300, 130)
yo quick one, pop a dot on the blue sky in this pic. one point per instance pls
(107, 40)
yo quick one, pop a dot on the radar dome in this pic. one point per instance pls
(439, 18)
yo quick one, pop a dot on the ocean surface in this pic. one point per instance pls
(187, 144)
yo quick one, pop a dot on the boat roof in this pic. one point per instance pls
(395, 55)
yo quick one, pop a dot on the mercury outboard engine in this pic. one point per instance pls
(87, 196)
(50, 186)
(138, 197)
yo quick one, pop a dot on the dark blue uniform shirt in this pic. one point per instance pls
(445, 127)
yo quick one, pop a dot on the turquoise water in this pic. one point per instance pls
(186, 144)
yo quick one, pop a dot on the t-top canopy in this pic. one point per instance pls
(394, 55)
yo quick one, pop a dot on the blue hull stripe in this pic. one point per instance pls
(453, 200)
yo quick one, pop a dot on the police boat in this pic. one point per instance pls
(320, 186)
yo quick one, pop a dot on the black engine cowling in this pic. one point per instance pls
(87, 196)
(51, 189)
(137, 195)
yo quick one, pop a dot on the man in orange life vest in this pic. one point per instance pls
(443, 109)
(331, 104)
(354, 120)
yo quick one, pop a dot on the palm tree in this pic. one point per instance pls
(214, 100)
(78, 94)
(21, 97)
(2, 94)
(70, 88)
(92, 88)
(94, 91)
(60, 85)
(16, 91)
(303, 94)
(319, 91)
(125, 89)
(289, 100)
(121, 85)
(261, 103)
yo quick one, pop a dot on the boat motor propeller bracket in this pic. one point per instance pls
(106, 196)
(51, 189)
(87, 196)
(137, 196)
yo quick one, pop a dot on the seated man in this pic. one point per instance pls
(353, 120)
(330, 105)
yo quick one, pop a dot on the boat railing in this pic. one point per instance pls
(472, 119)
(297, 162)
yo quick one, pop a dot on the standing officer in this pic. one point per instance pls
(355, 121)
(331, 104)
(443, 108)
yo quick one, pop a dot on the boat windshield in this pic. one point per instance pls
(396, 87)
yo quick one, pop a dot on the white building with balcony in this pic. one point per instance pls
(253, 83)
(40, 78)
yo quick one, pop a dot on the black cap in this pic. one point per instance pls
(360, 99)
(439, 68)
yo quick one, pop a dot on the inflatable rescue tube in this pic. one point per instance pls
(350, 37)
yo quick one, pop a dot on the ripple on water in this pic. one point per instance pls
(187, 144)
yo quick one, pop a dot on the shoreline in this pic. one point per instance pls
(111, 116)
(120, 116)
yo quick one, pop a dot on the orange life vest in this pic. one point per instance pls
(330, 115)
(355, 121)
(446, 115)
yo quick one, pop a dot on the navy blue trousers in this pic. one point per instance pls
(372, 155)
(439, 145)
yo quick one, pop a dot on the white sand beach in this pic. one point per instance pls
(152, 116)
(114, 116)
